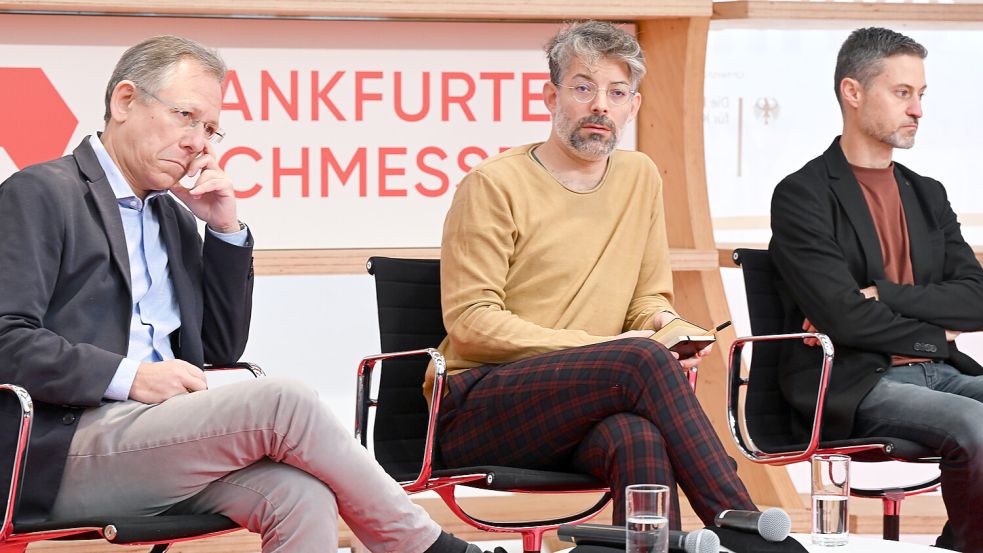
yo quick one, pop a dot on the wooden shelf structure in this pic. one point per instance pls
(670, 127)
(848, 11)
(502, 10)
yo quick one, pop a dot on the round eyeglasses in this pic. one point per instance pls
(212, 132)
(586, 91)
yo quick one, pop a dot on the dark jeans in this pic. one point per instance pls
(936, 405)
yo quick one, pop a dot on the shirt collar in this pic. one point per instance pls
(120, 187)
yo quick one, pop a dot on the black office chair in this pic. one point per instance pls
(160, 531)
(404, 428)
(762, 426)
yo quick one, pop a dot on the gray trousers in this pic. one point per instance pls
(936, 405)
(266, 453)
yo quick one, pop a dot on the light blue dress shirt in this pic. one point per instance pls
(155, 311)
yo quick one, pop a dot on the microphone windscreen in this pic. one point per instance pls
(702, 541)
(774, 524)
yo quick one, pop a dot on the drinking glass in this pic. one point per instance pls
(647, 512)
(830, 492)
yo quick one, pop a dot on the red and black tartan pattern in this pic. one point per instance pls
(621, 411)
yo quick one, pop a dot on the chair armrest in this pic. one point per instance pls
(364, 401)
(253, 368)
(736, 411)
(20, 455)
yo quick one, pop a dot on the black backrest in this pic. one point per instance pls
(768, 415)
(408, 297)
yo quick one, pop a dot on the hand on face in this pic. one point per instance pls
(157, 138)
(212, 198)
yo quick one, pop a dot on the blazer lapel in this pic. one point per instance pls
(918, 232)
(848, 192)
(106, 205)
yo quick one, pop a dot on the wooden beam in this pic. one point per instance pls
(860, 11)
(670, 131)
(352, 261)
(555, 10)
(329, 261)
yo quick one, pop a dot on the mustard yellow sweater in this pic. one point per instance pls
(529, 267)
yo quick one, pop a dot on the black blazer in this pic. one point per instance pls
(65, 302)
(825, 248)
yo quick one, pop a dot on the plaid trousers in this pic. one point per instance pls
(621, 411)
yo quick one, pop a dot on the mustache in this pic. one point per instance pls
(597, 119)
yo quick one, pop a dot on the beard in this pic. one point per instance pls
(903, 139)
(592, 146)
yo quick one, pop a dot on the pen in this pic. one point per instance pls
(719, 327)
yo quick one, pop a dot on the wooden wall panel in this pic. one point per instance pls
(670, 130)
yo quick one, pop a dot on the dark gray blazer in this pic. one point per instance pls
(65, 302)
(825, 247)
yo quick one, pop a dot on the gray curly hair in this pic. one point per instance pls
(591, 41)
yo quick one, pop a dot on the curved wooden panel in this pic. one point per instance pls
(670, 130)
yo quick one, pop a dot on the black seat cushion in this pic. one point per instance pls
(517, 479)
(131, 529)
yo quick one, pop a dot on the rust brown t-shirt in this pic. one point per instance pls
(880, 189)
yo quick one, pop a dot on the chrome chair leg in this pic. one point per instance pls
(532, 541)
(892, 514)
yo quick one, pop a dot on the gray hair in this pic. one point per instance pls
(149, 63)
(591, 41)
(863, 52)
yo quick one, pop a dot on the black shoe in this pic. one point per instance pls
(472, 548)
(448, 543)
(946, 540)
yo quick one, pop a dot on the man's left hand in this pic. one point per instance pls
(870, 293)
(212, 199)
(661, 319)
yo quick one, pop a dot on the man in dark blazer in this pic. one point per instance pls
(870, 253)
(110, 303)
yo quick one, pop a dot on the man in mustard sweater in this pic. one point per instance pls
(554, 275)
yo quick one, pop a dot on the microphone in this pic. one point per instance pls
(772, 525)
(697, 541)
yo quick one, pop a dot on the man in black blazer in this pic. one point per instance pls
(110, 302)
(871, 254)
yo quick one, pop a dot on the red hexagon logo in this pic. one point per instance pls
(35, 122)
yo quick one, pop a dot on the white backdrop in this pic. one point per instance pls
(341, 134)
